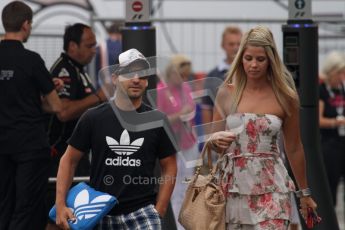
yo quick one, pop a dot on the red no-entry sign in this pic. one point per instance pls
(137, 6)
(137, 10)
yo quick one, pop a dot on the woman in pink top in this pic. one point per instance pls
(174, 98)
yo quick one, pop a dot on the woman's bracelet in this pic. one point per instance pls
(303, 193)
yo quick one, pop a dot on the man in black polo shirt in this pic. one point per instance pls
(77, 95)
(123, 161)
(24, 152)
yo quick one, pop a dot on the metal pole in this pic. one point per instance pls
(138, 33)
(75, 179)
(300, 48)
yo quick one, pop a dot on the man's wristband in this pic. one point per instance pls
(303, 193)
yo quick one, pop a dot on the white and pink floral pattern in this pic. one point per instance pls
(254, 177)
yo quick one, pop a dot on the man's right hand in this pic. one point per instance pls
(58, 83)
(63, 215)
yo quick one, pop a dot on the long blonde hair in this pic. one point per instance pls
(281, 80)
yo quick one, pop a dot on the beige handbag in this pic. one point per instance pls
(203, 207)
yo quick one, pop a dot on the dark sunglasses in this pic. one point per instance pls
(130, 76)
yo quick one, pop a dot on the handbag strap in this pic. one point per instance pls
(213, 168)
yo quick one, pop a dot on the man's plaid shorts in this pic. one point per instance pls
(145, 218)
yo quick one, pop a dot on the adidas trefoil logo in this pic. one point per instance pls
(123, 150)
(84, 209)
(124, 147)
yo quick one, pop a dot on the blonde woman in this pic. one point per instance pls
(331, 116)
(261, 91)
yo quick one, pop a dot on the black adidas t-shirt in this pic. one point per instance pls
(122, 161)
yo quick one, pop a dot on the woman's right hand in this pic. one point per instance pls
(222, 140)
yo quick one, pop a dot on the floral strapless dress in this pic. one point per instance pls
(254, 178)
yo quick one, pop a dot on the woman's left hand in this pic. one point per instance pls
(305, 203)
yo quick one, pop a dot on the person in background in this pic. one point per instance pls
(77, 95)
(107, 52)
(100, 129)
(24, 155)
(331, 118)
(259, 90)
(231, 39)
(174, 98)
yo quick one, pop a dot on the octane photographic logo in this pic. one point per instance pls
(84, 209)
(123, 149)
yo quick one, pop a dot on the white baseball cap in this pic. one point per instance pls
(130, 56)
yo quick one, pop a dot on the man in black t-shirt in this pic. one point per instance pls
(24, 153)
(123, 161)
